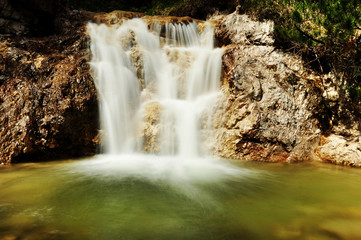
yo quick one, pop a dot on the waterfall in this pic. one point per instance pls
(158, 85)
(155, 84)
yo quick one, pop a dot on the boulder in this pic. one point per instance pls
(340, 150)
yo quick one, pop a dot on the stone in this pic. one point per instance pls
(150, 127)
(240, 29)
(340, 150)
(48, 101)
(268, 114)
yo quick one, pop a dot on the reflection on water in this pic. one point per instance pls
(105, 199)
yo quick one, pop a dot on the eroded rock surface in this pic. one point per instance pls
(48, 104)
(269, 114)
(275, 107)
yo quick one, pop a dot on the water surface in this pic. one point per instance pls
(101, 199)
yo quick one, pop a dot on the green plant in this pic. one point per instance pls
(126, 5)
(326, 33)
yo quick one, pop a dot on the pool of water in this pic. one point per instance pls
(104, 199)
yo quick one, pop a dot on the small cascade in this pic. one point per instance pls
(155, 84)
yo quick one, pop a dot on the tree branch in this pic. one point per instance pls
(308, 35)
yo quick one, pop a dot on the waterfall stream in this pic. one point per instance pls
(171, 71)
(157, 86)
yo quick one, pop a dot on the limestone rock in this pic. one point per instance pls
(269, 113)
(340, 150)
(240, 29)
(150, 127)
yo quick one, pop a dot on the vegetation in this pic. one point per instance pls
(193, 8)
(326, 33)
(148, 7)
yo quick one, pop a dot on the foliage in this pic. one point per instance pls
(326, 32)
(162, 6)
(127, 5)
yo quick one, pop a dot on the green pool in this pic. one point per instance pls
(97, 199)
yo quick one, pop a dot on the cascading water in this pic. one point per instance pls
(135, 66)
(157, 86)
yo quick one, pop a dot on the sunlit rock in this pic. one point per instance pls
(268, 115)
(340, 150)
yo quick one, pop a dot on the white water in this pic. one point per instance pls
(179, 73)
(174, 67)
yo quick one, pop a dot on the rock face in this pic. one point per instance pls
(272, 108)
(269, 111)
(48, 104)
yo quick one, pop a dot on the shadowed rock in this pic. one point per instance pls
(48, 104)
(29, 17)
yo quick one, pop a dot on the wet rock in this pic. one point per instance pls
(277, 109)
(116, 17)
(138, 63)
(150, 127)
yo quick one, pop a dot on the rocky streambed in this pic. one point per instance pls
(273, 108)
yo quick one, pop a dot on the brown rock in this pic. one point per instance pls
(48, 103)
